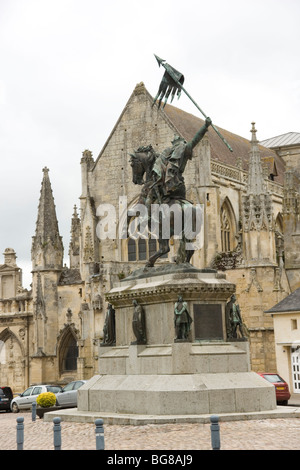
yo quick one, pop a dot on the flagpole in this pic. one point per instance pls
(172, 75)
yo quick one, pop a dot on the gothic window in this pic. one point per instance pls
(139, 249)
(142, 248)
(131, 249)
(227, 228)
(279, 239)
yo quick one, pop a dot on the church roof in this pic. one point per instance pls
(290, 304)
(187, 125)
(291, 138)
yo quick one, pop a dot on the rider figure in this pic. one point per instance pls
(169, 166)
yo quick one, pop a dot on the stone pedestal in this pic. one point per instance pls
(206, 374)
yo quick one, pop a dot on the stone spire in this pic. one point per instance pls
(47, 247)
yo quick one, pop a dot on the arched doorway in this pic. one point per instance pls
(12, 361)
(68, 352)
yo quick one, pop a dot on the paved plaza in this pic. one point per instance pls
(258, 434)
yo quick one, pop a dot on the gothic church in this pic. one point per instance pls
(52, 333)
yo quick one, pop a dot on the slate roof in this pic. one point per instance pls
(187, 125)
(291, 138)
(290, 304)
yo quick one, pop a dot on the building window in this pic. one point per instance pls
(142, 248)
(131, 250)
(294, 324)
(279, 239)
(225, 230)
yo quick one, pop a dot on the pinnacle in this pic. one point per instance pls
(256, 183)
(253, 130)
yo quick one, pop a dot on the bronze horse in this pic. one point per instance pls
(179, 209)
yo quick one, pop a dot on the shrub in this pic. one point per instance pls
(46, 399)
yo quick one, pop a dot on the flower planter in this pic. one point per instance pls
(40, 411)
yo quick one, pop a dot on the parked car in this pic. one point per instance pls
(68, 396)
(6, 396)
(281, 387)
(25, 400)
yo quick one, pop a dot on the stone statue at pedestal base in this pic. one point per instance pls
(109, 328)
(234, 322)
(139, 324)
(182, 320)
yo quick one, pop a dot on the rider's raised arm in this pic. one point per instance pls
(200, 134)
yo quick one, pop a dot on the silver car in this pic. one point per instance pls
(25, 400)
(68, 396)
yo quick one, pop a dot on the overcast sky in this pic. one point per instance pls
(68, 67)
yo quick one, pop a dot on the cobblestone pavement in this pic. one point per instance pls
(265, 434)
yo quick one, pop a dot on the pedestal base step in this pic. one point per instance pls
(184, 394)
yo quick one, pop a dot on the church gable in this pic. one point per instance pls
(139, 124)
(5, 268)
(132, 116)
